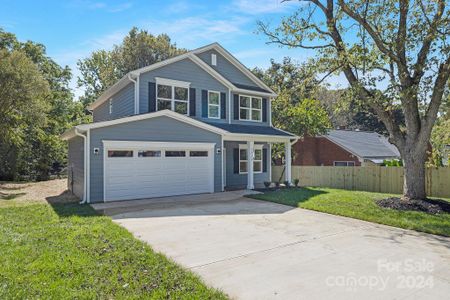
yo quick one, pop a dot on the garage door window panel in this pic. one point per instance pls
(198, 153)
(175, 154)
(120, 153)
(149, 153)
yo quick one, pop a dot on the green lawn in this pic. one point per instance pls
(358, 205)
(65, 251)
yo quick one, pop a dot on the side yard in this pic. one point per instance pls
(358, 205)
(59, 249)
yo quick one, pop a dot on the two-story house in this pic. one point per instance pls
(199, 122)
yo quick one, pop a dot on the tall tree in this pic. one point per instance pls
(402, 44)
(138, 49)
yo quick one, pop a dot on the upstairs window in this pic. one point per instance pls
(250, 108)
(173, 95)
(213, 105)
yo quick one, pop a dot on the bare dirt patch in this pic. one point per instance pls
(431, 206)
(48, 191)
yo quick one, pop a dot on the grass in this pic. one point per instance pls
(358, 205)
(63, 251)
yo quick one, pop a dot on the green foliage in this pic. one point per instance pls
(392, 163)
(296, 182)
(138, 49)
(36, 106)
(440, 140)
(359, 205)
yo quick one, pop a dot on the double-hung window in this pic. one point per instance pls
(173, 95)
(250, 108)
(257, 159)
(213, 105)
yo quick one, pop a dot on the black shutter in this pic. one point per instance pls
(151, 97)
(236, 107)
(192, 101)
(204, 103)
(223, 105)
(236, 160)
(264, 162)
(264, 110)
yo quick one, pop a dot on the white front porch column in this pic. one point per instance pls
(250, 156)
(287, 159)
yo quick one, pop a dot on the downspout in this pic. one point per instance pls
(136, 93)
(84, 167)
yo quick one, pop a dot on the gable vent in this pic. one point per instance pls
(213, 59)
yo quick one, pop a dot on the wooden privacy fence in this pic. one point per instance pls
(372, 179)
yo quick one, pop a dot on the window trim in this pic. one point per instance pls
(213, 59)
(344, 161)
(250, 109)
(255, 147)
(218, 105)
(173, 84)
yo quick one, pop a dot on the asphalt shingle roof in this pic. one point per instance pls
(363, 143)
(250, 88)
(250, 129)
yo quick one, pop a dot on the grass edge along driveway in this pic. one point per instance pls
(359, 205)
(62, 251)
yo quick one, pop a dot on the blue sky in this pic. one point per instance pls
(73, 29)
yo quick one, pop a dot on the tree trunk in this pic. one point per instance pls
(414, 179)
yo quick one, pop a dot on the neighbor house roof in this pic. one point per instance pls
(367, 145)
(260, 88)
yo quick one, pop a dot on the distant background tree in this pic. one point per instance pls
(138, 49)
(404, 45)
(36, 106)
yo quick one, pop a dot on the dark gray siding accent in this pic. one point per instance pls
(223, 106)
(226, 68)
(236, 180)
(122, 105)
(235, 110)
(264, 109)
(75, 180)
(151, 97)
(205, 104)
(184, 70)
(160, 129)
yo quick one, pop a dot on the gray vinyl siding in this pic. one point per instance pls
(75, 180)
(226, 68)
(162, 129)
(122, 105)
(184, 70)
(243, 122)
(240, 180)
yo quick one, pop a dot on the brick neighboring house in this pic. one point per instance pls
(344, 148)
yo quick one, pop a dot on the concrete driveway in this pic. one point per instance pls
(260, 250)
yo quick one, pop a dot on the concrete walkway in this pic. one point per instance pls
(260, 250)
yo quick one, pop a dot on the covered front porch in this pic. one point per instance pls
(247, 162)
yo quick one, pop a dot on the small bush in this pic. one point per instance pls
(286, 183)
(277, 184)
(267, 184)
(296, 181)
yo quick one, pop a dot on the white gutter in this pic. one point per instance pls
(84, 168)
(136, 93)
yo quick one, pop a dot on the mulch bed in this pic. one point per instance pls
(431, 206)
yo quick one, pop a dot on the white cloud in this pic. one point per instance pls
(256, 7)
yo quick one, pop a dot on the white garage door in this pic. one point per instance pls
(135, 170)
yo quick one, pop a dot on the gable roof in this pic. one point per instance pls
(130, 76)
(215, 128)
(364, 144)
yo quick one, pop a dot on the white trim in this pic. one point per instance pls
(222, 150)
(144, 145)
(257, 93)
(172, 82)
(255, 147)
(269, 156)
(84, 200)
(88, 158)
(213, 59)
(344, 161)
(167, 113)
(250, 108)
(218, 105)
(234, 61)
(229, 106)
(256, 137)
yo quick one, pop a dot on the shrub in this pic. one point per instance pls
(267, 184)
(286, 183)
(277, 184)
(296, 181)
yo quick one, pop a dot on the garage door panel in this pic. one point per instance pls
(146, 177)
